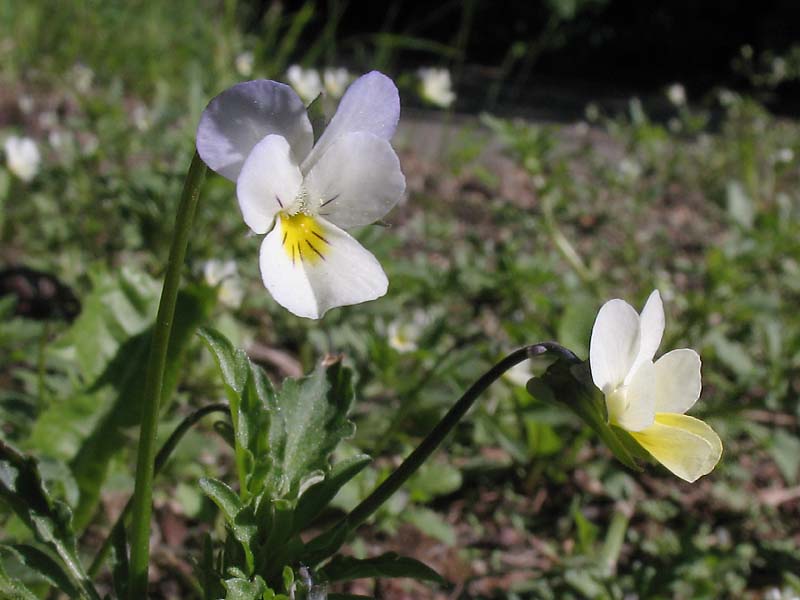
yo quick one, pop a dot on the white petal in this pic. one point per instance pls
(640, 409)
(268, 182)
(684, 445)
(310, 286)
(614, 344)
(243, 115)
(357, 181)
(677, 381)
(651, 327)
(371, 104)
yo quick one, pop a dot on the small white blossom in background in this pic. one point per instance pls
(82, 77)
(784, 156)
(336, 80)
(224, 275)
(648, 399)
(436, 86)
(141, 117)
(25, 103)
(630, 169)
(592, 112)
(404, 335)
(727, 98)
(304, 196)
(306, 82)
(244, 64)
(676, 94)
(22, 157)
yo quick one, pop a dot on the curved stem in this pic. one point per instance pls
(382, 493)
(161, 460)
(154, 380)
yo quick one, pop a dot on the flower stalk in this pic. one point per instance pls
(154, 380)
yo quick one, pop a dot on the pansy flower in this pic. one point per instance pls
(304, 196)
(649, 399)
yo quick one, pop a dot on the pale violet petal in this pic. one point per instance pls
(309, 279)
(684, 445)
(614, 344)
(357, 181)
(651, 326)
(677, 381)
(640, 402)
(371, 104)
(268, 182)
(241, 116)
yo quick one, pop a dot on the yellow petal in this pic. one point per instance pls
(684, 445)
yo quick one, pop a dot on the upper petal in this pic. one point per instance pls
(677, 381)
(651, 327)
(241, 116)
(371, 104)
(357, 181)
(614, 344)
(309, 272)
(684, 445)
(268, 182)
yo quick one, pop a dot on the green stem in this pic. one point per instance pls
(154, 380)
(161, 460)
(384, 491)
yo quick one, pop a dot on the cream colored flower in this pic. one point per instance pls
(224, 275)
(306, 82)
(22, 157)
(649, 399)
(436, 86)
(336, 80)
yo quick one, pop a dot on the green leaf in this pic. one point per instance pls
(240, 518)
(309, 421)
(345, 568)
(317, 497)
(245, 589)
(44, 565)
(119, 571)
(124, 375)
(316, 114)
(13, 589)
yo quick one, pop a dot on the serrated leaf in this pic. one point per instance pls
(239, 588)
(317, 497)
(345, 568)
(44, 565)
(309, 421)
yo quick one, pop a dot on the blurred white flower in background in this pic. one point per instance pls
(224, 275)
(306, 82)
(519, 374)
(630, 169)
(676, 94)
(141, 117)
(22, 157)
(404, 334)
(436, 86)
(784, 155)
(25, 103)
(336, 80)
(244, 64)
(82, 77)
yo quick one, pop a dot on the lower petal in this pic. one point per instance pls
(310, 266)
(684, 445)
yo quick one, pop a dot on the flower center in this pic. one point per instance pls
(303, 238)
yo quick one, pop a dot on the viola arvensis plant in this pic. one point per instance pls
(648, 399)
(304, 195)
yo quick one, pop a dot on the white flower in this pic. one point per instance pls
(676, 94)
(306, 82)
(336, 81)
(520, 374)
(649, 399)
(244, 64)
(436, 86)
(225, 276)
(258, 134)
(82, 77)
(404, 335)
(784, 155)
(22, 157)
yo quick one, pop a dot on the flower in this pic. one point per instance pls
(336, 81)
(258, 134)
(520, 374)
(436, 86)
(306, 82)
(649, 399)
(244, 64)
(676, 94)
(225, 276)
(22, 157)
(404, 335)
